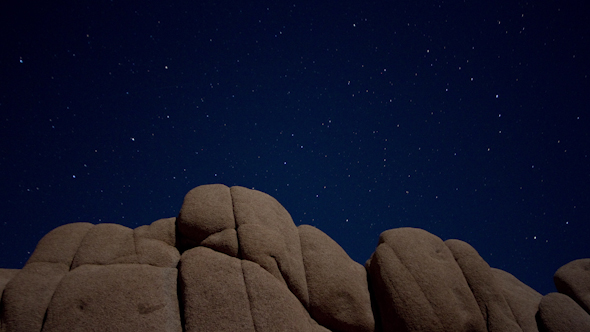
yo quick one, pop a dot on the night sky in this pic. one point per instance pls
(469, 119)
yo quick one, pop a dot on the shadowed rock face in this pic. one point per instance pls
(233, 260)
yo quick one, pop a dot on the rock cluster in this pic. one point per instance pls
(233, 260)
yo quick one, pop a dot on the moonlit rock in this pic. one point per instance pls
(233, 260)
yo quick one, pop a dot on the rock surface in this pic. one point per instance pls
(419, 286)
(134, 297)
(559, 313)
(573, 279)
(233, 260)
(486, 290)
(522, 300)
(339, 297)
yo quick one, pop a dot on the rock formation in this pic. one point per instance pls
(233, 260)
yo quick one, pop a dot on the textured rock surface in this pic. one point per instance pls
(339, 297)
(419, 286)
(268, 236)
(522, 300)
(559, 313)
(5, 276)
(246, 224)
(573, 279)
(207, 211)
(273, 306)
(485, 289)
(233, 260)
(117, 297)
(26, 297)
(214, 292)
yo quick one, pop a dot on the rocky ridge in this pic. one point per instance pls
(233, 260)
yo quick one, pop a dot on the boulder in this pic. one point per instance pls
(27, 295)
(34, 299)
(116, 297)
(339, 297)
(106, 244)
(268, 237)
(61, 244)
(224, 293)
(418, 285)
(573, 279)
(559, 313)
(206, 210)
(115, 244)
(155, 243)
(246, 224)
(522, 299)
(485, 289)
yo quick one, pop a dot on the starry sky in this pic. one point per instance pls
(467, 119)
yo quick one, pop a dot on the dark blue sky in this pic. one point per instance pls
(467, 119)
